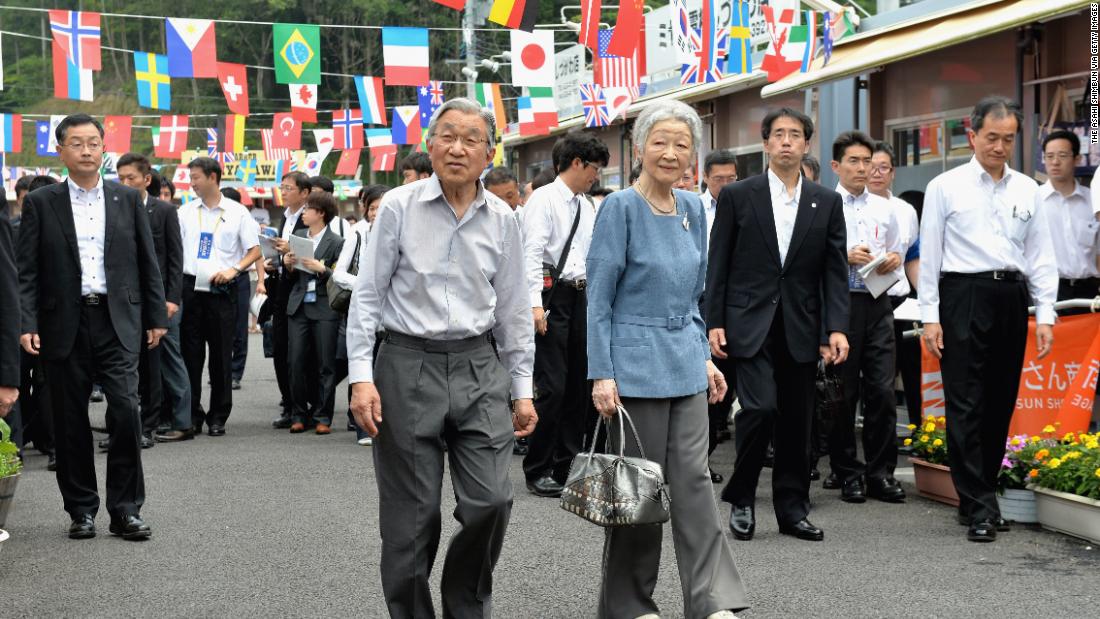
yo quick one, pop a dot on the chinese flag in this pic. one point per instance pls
(628, 29)
(349, 161)
(116, 130)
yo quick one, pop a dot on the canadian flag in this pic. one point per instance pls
(303, 102)
(182, 178)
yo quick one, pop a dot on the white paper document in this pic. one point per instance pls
(301, 247)
(908, 311)
(203, 272)
(268, 249)
(877, 283)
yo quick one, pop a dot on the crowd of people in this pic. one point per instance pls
(495, 318)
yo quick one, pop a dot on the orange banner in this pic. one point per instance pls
(1060, 388)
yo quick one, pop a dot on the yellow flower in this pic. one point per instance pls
(941, 419)
(1071, 455)
(1033, 473)
(1098, 472)
(907, 442)
(911, 426)
(1049, 429)
(1054, 463)
(930, 427)
(1092, 444)
(1016, 442)
(1034, 439)
(937, 443)
(924, 438)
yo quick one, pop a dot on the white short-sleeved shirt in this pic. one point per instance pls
(235, 233)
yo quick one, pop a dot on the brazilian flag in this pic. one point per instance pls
(297, 49)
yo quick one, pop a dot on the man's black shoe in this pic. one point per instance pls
(545, 486)
(885, 489)
(815, 474)
(173, 436)
(716, 478)
(520, 447)
(1001, 524)
(97, 396)
(216, 430)
(236, 384)
(769, 457)
(742, 522)
(282, 422)
(832, 482)
(164, 428)
(147, 441)
(803, 529)
(982, 531)
(104, 444)
(83, 527)
(853, 492)
(130, 527)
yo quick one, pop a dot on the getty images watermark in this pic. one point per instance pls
(1094, 73)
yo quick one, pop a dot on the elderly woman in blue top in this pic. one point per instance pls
(647, 351)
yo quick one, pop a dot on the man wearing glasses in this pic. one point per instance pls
(1066, 206)
(557, 230)
(92, 298)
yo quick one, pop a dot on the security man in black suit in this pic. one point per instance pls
(9, 324)
(777, 301)
(92, 299)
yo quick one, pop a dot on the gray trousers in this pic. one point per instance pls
(431, 391)
(673, 433)
(177, 384)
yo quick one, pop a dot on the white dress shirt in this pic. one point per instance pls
(90, 220)
(972, 224)
(710, 207)
(548, 217)
(869, 220)
(1095, 195)
(427, 274)
(785, 210)
(290, 219)
(235, 233)
(1073, 229)
(341, 273)
(909, 228)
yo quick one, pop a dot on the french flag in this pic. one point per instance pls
(405, 54)
(371, 99)
(192, 50)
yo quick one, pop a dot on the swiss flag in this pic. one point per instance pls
(234, 82)
(286, 131)
(116, 130)
(349, 162)
(303, 102)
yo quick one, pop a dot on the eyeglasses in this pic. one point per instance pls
(721, 180)
(79, 146)
(288, 187)
(1063, 156)
(469, 143)
(883, 169)
(593, 166)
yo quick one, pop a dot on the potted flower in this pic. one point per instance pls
(931, 472)
(1022, 454)
(10, 466)
(1067, 486)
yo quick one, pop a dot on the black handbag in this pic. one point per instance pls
(339, 299)
(829, 396)
(551, 273)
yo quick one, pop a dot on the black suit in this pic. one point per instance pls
(83, 342)
(9, 309)
(278, 286)
(312, 333)
(776, 315)
(165, 225)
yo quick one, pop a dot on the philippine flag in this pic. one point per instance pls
(406, 124)
(371, 99)
(192, 50)
(405, 54)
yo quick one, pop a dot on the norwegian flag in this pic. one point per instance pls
(595, 106)
(694, 73)
(611, 71)
(78, 33)
(271, 153)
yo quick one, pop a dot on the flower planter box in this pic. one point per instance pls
(934, 482)
(1018, 505)
(1068, 513)
(3, 538)
(7, 495)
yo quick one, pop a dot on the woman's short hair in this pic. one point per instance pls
(370, 193)
(324, 203)
(667, 110)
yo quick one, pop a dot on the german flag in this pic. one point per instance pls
(515, 14)
(231, 134)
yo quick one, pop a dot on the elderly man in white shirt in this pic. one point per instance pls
(985, 256)
(1066, 206)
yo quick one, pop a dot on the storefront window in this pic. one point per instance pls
(939, 142)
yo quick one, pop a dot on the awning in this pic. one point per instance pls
(897, 44)
(727, 85)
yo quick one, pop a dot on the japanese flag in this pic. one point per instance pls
(532, 58)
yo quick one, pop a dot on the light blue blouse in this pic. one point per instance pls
(645, 277)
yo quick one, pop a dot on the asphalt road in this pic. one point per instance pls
(263, 523)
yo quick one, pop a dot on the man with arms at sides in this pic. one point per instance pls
(414, 167)
(719, 170)
(985, 256)
(557, 230)
(92, 298)
(220, 242)
(437, 373)
(10, 358)
(1066, 206)
(777, 301)
(162, 365)
(503, 184)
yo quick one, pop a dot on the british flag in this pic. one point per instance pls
(78, 33)
(690, 73)
(610, 70)
(595, 106)
(270, 153)
(212, 148)
(436, 88)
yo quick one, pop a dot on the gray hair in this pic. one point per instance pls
(467, 106)
(667, 110)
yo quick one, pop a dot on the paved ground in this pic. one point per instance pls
(262, 523)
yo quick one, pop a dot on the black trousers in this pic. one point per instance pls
(718, 413)
(563, 398)
(868, 376)
(32, 419)
(984, 338)
(209, 321)
(1077, 289)
(150, 389)
(777, 397)
(907, 361)
(240, 336)
(97, 356)
(312, 354)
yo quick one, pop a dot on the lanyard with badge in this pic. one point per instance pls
(205, 268)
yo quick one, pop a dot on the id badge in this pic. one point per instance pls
(311, 292)
(206, 245)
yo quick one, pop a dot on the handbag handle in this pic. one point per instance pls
(622, 434)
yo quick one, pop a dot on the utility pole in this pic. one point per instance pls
(469, 35)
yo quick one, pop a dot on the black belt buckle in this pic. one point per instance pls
(576, 284)
(90, 300)
(999, 275)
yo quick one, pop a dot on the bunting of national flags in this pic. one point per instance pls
(347, 127)
(595, 106)
(154, 87)
(371, 99)
(192, 50)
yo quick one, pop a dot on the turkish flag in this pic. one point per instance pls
(286, 131)
(628, 29)
(349, 161)
(234, 82)
(116, 130)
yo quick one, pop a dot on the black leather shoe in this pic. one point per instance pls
(281, 423)
(216, 430)
(803, 529)
(163, 428)
(173, 436)
(521, 447)
(982, 531)
(832, 482)
(815, 474)
(236, 384)
(130, 527)
(742, 522)
(769, 457)
(83, 527)
(147, 441)
(1002, 525)
(97, 396)
(104, 444)
(885, 489)
(853, 492)
(716, 478)
(51, 463)
(545, 486)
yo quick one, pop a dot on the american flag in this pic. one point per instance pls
(611, 70)
(272, 154)
(595, 106)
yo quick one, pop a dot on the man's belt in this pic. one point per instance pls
(1081, 281)
(1007, 276)
(92, 300)
(438, 346)
(577, 284)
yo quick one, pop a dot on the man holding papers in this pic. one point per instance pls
(874, 255)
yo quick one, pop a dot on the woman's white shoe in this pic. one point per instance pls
(722, 614)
